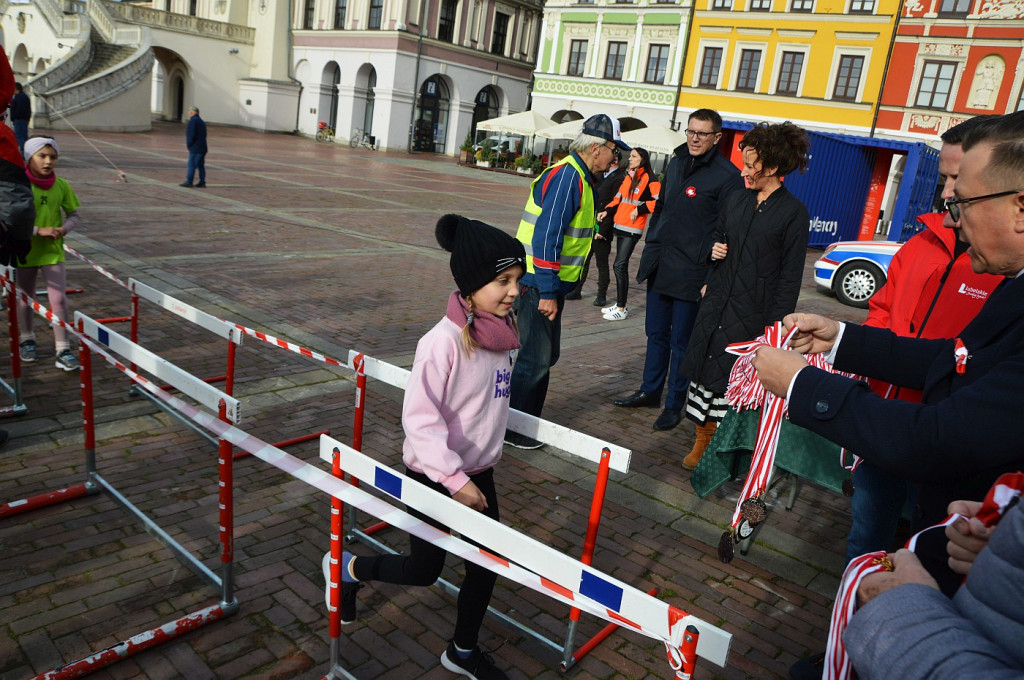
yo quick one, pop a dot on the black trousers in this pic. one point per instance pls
(624, 246)
(423, 565)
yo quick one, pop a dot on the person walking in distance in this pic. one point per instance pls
(676, 257)
(195, 140)
(454, 415)
(557, 230)
(21, 114)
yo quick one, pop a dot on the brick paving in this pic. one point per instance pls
(333, 249)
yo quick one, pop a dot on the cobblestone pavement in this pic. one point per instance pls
(334, 249)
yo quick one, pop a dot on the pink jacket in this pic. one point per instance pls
(455, 409)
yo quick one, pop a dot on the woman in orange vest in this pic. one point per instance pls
(634, 202)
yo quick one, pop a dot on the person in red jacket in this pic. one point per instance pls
(930, 292)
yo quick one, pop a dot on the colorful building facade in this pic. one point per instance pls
(953, 59)
(818, 63)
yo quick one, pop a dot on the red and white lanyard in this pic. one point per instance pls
(837, 663)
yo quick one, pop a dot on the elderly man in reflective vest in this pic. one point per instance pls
(557, 229)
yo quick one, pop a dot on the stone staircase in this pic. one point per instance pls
(105, 56)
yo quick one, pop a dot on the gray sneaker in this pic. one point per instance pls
(27, 351)
(67, 361)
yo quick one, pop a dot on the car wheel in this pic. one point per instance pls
(856, 282)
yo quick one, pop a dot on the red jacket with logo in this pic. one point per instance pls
(928, 293)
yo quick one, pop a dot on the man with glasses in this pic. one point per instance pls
(676, 257)
(557, 229)
(930, 292)
(968, 428)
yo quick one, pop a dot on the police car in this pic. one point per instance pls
(854, 270)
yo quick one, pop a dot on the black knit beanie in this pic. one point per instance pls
(479, 251)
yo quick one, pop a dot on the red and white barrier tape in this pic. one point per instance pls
(95, 266)
(290, 346)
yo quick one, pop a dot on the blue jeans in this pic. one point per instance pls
(877, 501)
(541, 341)
(21, 133)
(668, 324)
(196, 161)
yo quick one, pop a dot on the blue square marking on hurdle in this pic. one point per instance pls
(599, 590)
(388, 482)
(103, 336)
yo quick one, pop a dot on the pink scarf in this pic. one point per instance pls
(489, 331)
(43, 183)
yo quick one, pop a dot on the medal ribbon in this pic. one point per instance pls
(1004, 493)
(746, 391)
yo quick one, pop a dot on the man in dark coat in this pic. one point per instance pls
(21, 113)
(676, 258)
(195, 140)
(968, 429)
(606, 190)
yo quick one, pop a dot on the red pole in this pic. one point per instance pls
(226, 470)
(594, 521)
(229, 377)
(12, 324)
(135, 644)
(288, 442)
(88, 420)
(357, 423)
(337, 511)
(688, 650)
(135, 325)
(43, 500)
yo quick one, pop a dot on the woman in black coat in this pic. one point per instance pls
(757, 267)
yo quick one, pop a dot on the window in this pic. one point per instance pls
(936, 82)
(954, 7)
(307, 15)
(802, 6)
(577, 58)
(760, 5)
(862, 6)
(500, 33)
(721, 4)
(848, 77)
(789, 73)
(446, 24)
(657, 62)
(750, 62)
(710, 66)
(376, 14)
(193, 6)
(616, 61)
(340, 7)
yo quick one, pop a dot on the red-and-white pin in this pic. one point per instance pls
(961, 355)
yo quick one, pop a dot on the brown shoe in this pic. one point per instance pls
(704, 434)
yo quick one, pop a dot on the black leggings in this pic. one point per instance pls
(423, 565)
(624, 246)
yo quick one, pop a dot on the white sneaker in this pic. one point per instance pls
(609, 308)
(616, 314)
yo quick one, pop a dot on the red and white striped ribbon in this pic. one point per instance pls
(95, 266)
(746, 391)
(1007, 487)
(290, 346)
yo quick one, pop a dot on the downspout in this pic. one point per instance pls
(416, 77)
(291, 62)
(682, 66)
(885, 73)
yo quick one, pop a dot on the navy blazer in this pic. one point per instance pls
(195, 135)
(969, 427)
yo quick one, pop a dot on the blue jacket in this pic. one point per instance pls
(559, 199)
(21, 106)
(195, 135)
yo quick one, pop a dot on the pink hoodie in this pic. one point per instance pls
(455, 409)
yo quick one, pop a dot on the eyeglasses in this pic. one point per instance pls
(698, 134)
(611, 148)
(953, 204)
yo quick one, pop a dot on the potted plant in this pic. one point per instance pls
(466, 150)
(485, 155)
(536, 167)
(524, 165)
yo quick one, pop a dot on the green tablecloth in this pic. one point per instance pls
(801, 452)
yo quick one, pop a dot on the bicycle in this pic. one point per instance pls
(324, 132)
(362, 140)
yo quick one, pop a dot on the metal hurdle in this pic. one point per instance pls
(9, 280)
(99, 340)
(607, 456)
(535, 565)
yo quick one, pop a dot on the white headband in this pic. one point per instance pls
(34, 145)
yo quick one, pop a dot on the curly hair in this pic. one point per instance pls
(779, 145)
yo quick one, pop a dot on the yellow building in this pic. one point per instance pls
(818, 63)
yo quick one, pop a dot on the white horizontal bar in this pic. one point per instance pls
(197, 316)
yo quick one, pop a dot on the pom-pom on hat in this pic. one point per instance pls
(479, 251)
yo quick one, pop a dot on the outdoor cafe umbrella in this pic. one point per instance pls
(525, 123)
(655, 138)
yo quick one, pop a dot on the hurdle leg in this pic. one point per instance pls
(225, 467)
(14, 389)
